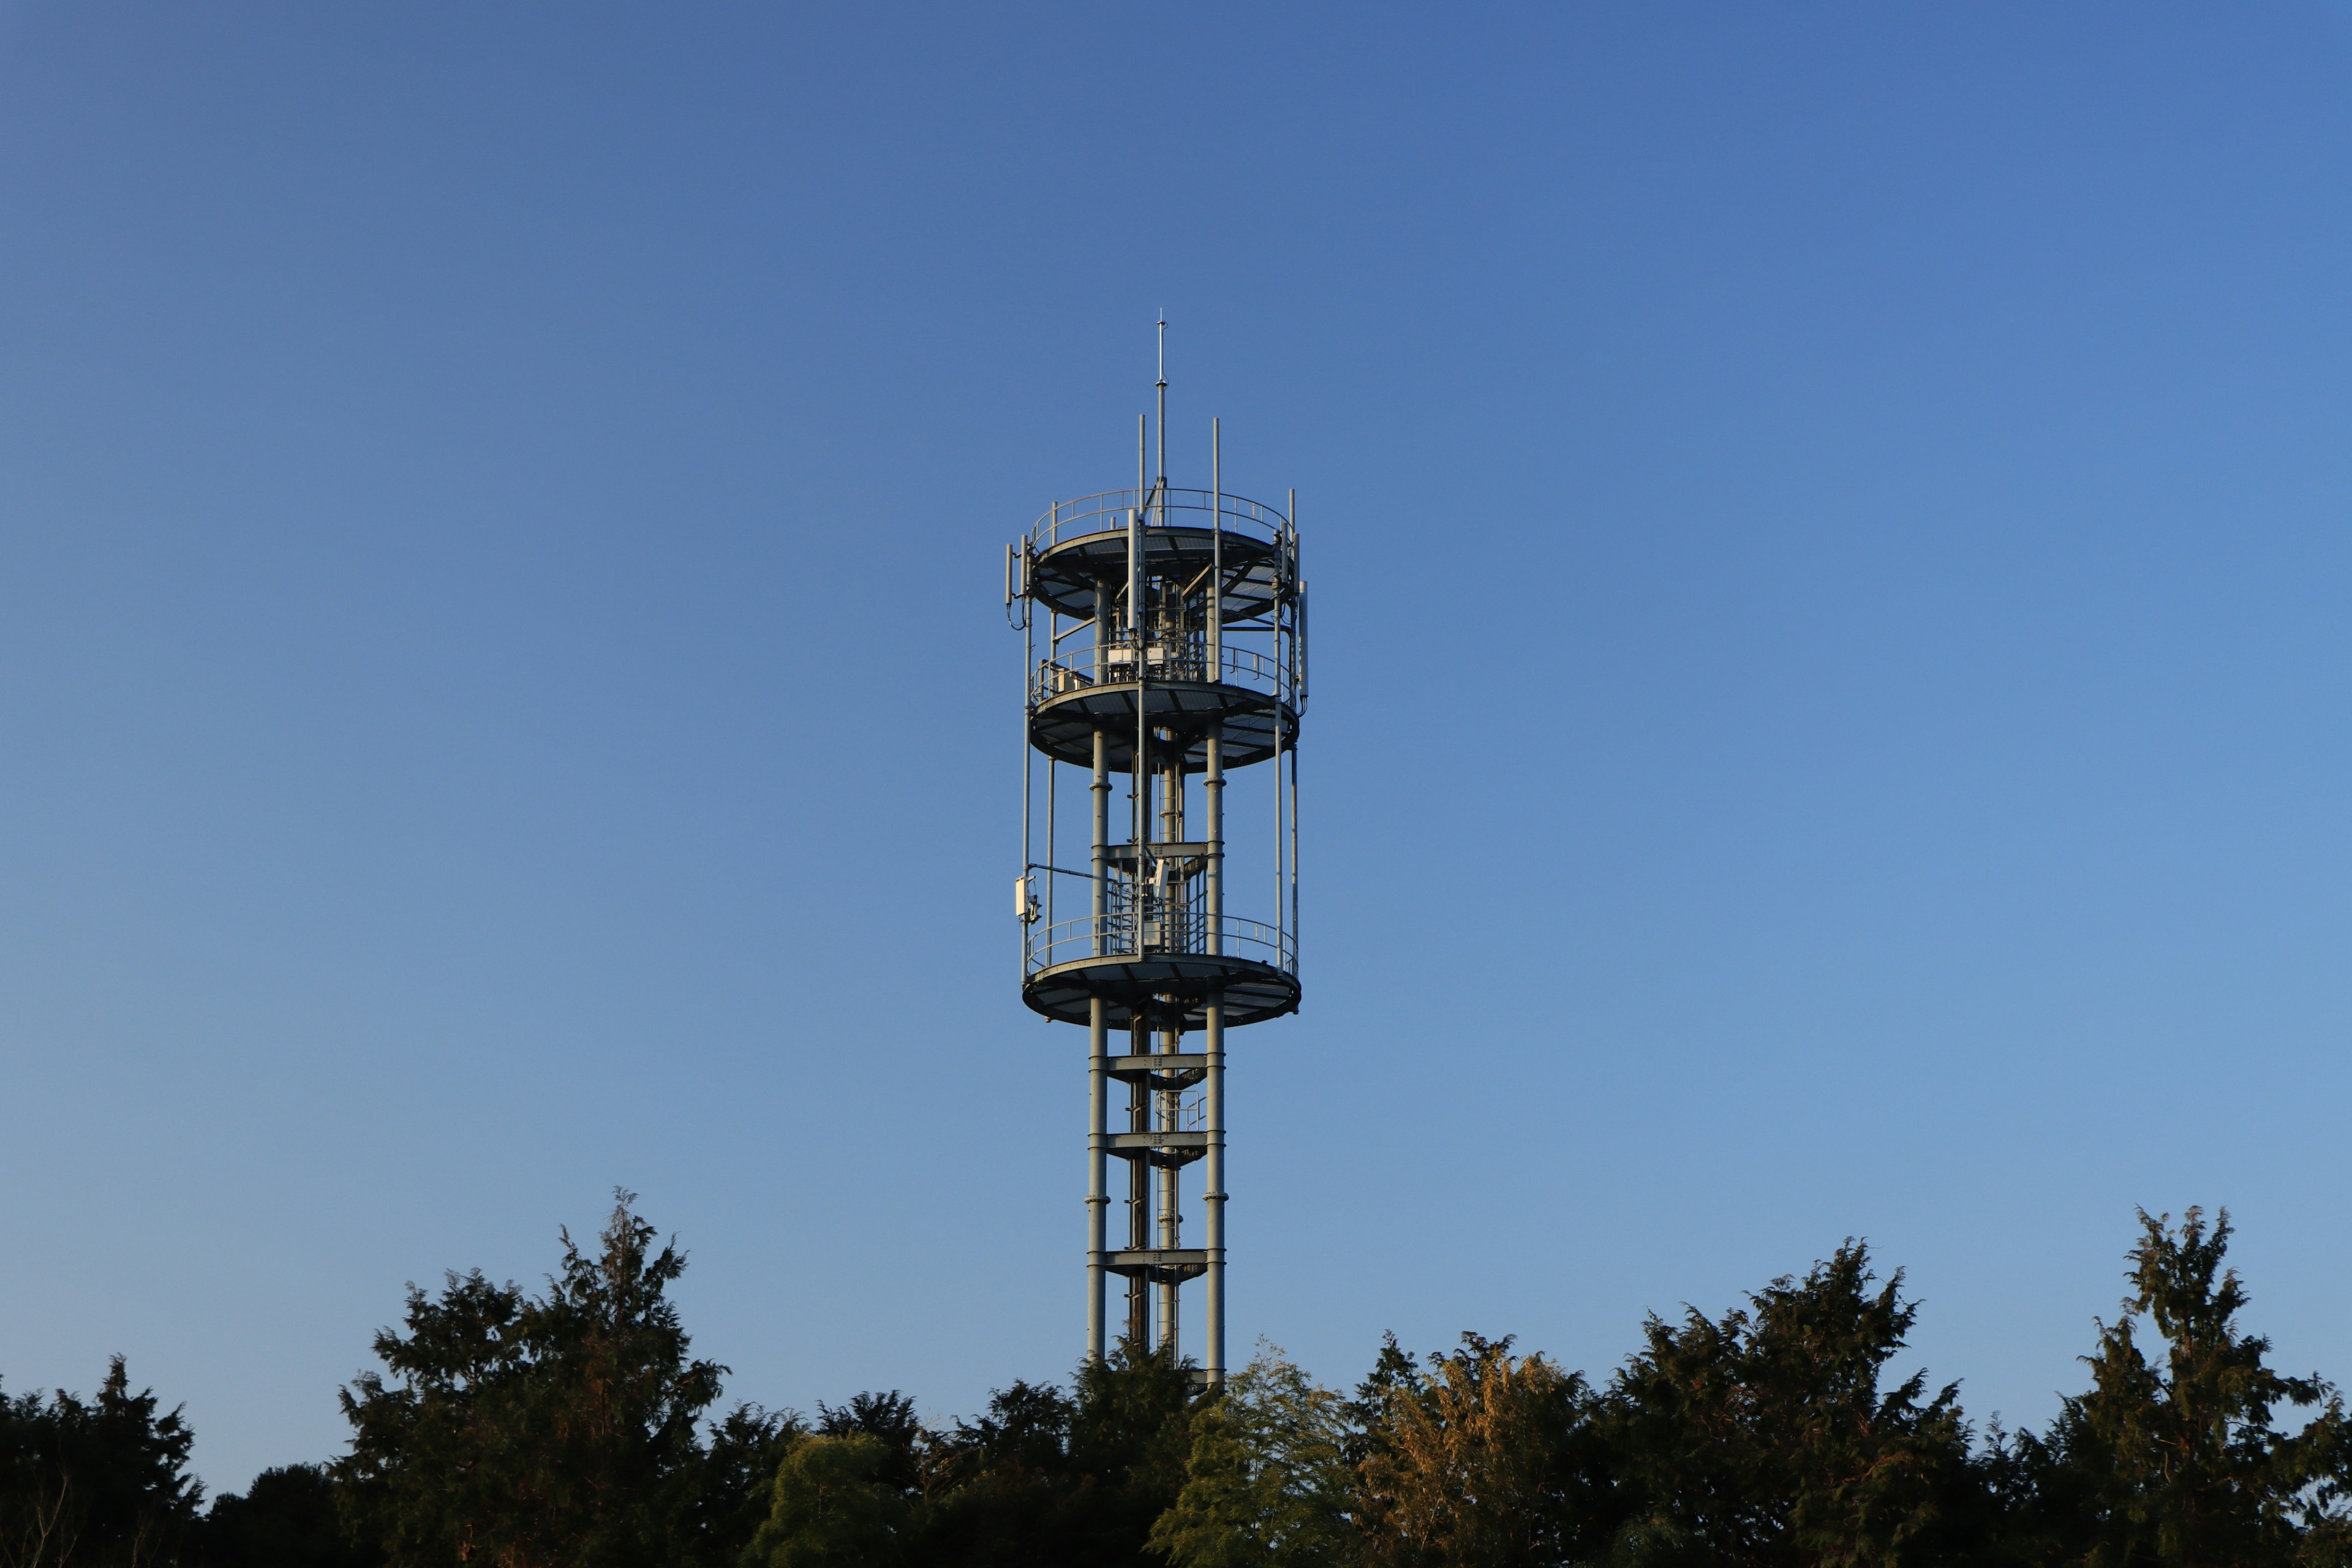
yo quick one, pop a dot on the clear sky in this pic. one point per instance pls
(1828, 532)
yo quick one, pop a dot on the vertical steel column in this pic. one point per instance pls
(1140, 789)
(1280, 901)
(1102, 842)
(1299, 698)
(1213, 1195)
(1216, 552)
(1171, 1100)
(1212, 790)
(1097, 1066)
(1212, 1096)
(1097, 1175)
(1170, 1103)
(1138, 1219)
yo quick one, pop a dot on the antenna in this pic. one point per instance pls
(1163, 400)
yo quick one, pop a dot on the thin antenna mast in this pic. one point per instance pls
(1163, 407)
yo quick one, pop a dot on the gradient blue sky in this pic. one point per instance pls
(1829, 536)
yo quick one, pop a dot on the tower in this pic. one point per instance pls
(1166, 649)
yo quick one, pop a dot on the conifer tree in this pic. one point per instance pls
(1763, 1438)
(2175, 1459)
(102, 1483)
(521, 1432)
(1477, 1464)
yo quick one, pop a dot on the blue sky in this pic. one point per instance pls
(1828, 536)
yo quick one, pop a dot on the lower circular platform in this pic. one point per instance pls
(1164, 989)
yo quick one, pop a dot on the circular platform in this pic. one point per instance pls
(1166, 989)
(1064, 576)
(1063, 723)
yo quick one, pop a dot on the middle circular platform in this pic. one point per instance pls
(1070, 708)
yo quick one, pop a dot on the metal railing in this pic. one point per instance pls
(1113, 665)
(1107, 513)
(1129, 934)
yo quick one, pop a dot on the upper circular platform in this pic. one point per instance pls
(1082, 544)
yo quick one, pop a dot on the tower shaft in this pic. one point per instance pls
(1166, 643)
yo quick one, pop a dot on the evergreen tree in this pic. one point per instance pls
(1764, 1438)
(2176, 1461)
(96, 1484)
(555, 1432)
(286, 1518)
(890, 1420)
(1069, 1482)
(734, 1488)
(1485, 1462)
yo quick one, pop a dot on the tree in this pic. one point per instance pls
(1764, 1438)
(734, 1489)
(890, 1420)
(833, 1508)
(1479, 1463)
(1269, 1481)
(533, 1432)
(101, 1484)
(2178, 1459)
(1070, 1481)
(286, 1519)
(1001, 1488)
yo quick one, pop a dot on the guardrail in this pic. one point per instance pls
(1129, 934)
(1107, 513)
(1113, 665)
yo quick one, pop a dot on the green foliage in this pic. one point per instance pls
(564, 1430)
(890, 1420)
(1765, 1437)
(1480, 1463)
(534, 1432)
(734, 1482)
(1047, 1480)
(2177, 1460)
(97, 1484)
(831, 1508)
(1269, 1480)
(286, 1518)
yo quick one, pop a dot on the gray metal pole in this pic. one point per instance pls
(1139, 1217)
(1298, 695)
(1102, 842)
(1216, 552)
(1172, 1040)
(1053, 788)
(1139, 792)
(1170, 1101)
(1213, 1195)
(1097, 1175)
(1028, 786)
(1213, 792)
(1279, 901)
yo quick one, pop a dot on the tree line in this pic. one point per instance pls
(575, 1429)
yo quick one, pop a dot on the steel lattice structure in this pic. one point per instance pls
(1166, 647)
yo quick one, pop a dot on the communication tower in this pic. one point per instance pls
(1173, 654)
